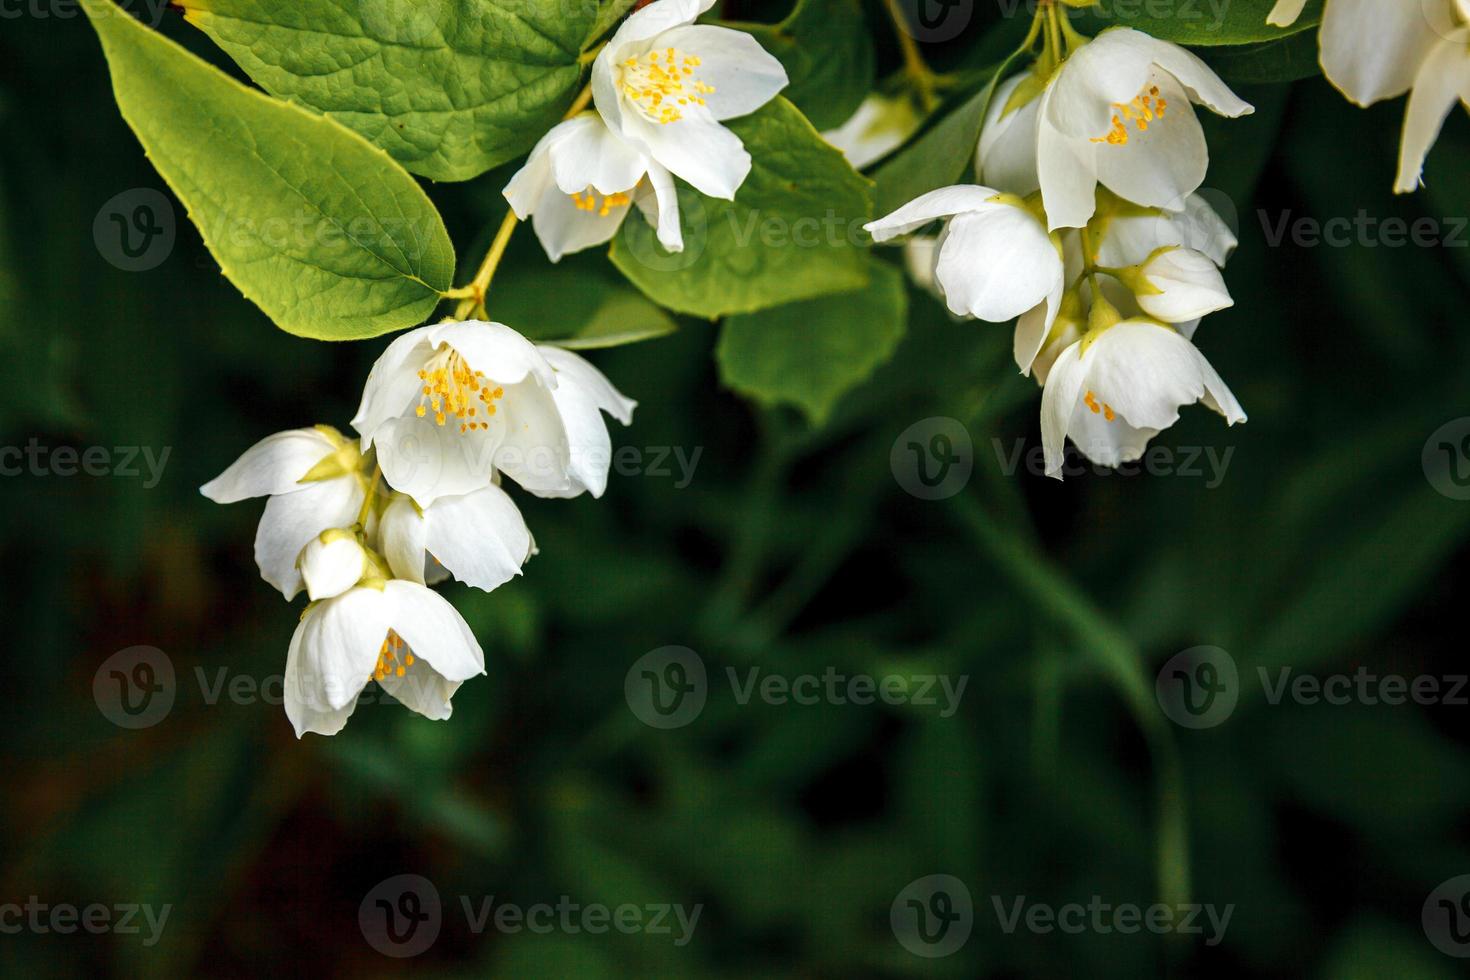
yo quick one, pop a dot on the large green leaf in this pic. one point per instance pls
(794, 230)
(322, 230)
(809, 353)
(450, 88)
(1284, 59)
(827, 49)
(1204, 22)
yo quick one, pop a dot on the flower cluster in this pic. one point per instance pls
(1085, 227)
(1379, 49)
(366, 525)
(662, 85)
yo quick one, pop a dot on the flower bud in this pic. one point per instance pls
(1177, 285)
(332, 563)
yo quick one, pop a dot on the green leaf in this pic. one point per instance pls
(793, 231)
(1285, 59)
(810, 353)
(593, 307)
(450, 88)
(827, 50)
(323, 231)
(1200, 22)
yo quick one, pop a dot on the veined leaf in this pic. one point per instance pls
(1204, 22)
(322, 230)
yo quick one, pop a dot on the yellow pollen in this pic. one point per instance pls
(659, 88)
(1144, 109)
(1096, 407)
(393, 657)
(451, 390)
(588, 202)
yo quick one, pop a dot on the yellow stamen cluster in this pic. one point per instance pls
(660, 84)
(1143, 110)
(451, 390)
(1107, 410)
(394, 657)
(588, 202)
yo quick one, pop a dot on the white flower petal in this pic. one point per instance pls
(1145, 371)
(998, 264)
(340, 640)
(696, 148)
(493, 348)
(879, 126)
(743, 74)
(1107, 443)
(302, 706)
(330, 568)
(1191, 286)
(941, 203)
(1066, 168)
(422, 690)
(393, 384)
(658, 199)
(428, 461)
(1006, 159)
(292, 520)
(526, 189)
(480, 538)
(1444, 79)
(1285, 13)
(588, 154)
(534, 450)
(274, 465)
(1058, 401)
(582, 394)
(1200, 82)
(403, 535)
(654, 19)
(1372, 50)
(563, 228)
(434, 631)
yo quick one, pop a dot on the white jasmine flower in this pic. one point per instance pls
(880, 125)
(314, 482)
(1119, 386)
(996, 260)
(1126, 234)
(665, 83)
(406, 637)
(1119, 112)
(480, 538)
(1380, 49)
(580, 182)
(448, 406)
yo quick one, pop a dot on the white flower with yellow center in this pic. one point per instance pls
(314, 483)
(1380, 49)
(665, 84)
(995, 260)
(1119, 112)
(450, 405)
(1120, 385)
(580, 183)
(479, 538)
(406, 637)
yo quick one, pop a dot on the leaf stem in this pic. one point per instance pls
(914, 64)
(370, 496)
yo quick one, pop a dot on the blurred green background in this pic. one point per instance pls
(1324, 549)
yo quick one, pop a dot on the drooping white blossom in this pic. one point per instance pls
(666, 84)
(880, 125)
(450, 405)
(479, 538)
(580, 183)
(314, 483)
